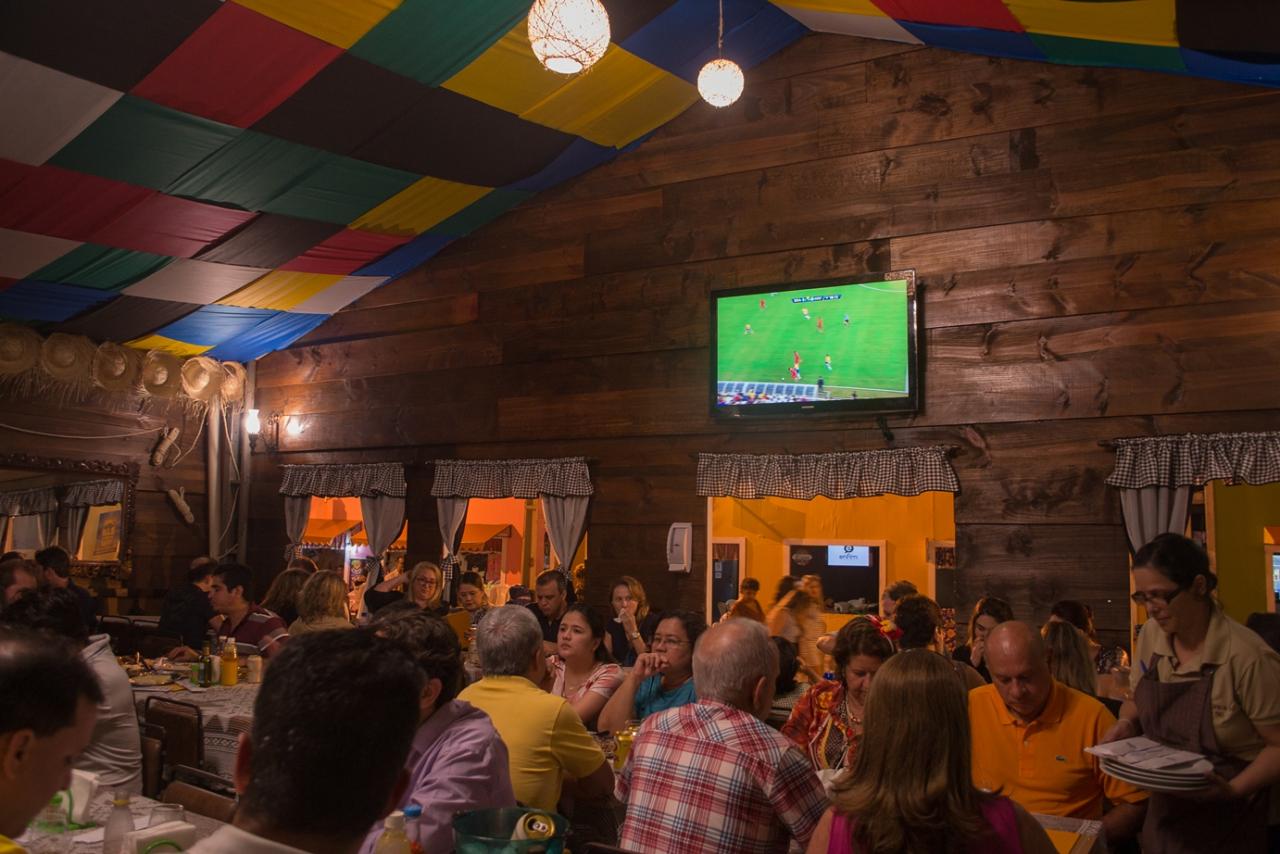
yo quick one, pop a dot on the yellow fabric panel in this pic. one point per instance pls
(338, 22)
(1130, 21)
(169, 345)
(620, 98)
(419, 206)
(280, 290)
(848, 7)
(507, 75)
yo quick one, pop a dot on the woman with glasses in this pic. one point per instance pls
(422, 586)
(661, 679)
(1207, 684)
(630, 632)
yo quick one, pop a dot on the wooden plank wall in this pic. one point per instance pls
(1100, 251)
(163, 544)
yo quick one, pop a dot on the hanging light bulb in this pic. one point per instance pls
(720, 82)
(568, 36)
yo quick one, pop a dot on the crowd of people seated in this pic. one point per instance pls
(897, 743)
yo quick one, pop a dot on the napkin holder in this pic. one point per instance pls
(84, 785)
(179, 834)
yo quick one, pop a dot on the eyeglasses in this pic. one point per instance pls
(658, 640)
(1156, 597)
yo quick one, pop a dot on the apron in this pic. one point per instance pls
(1180, 714)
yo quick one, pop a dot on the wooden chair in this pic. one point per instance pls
(152, 765)
(124, 635)
(199, 801)
(183, 728)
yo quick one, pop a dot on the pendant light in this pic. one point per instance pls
(720, 82)
(568, 36)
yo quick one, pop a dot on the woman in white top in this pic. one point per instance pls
(582, 670)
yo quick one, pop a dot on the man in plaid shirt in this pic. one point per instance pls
(711, 776)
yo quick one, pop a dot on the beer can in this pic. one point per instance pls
(255, 668)
(533, 826)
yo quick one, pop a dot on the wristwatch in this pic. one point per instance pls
(634, 635)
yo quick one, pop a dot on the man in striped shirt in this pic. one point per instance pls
(247, 623)
(711, 775)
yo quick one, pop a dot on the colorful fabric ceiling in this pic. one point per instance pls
(217, 178)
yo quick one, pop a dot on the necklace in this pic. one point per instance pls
(852, 719)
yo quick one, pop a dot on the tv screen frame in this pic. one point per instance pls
(909, 403)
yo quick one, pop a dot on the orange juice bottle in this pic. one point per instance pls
(229, 662)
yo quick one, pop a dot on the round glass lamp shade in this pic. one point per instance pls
(568, 36)
(720, 82)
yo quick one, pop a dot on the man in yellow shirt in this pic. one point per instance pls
(48, 705)
(1029, 736)
(546, 741)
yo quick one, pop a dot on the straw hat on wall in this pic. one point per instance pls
(114, 367)
(19, 348)
(161, 374)
(234, 380)
(66, 357)
(201, 378)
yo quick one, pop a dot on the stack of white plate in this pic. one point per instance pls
(1186, 777)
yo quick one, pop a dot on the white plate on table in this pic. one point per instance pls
(1154, 782)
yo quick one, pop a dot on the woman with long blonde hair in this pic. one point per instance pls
(423, 586)
(322, 605)
(1069, 657)
(630, 633)
(911, 788)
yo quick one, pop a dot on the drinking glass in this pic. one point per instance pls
(161, 813)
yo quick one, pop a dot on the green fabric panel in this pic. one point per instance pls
(142, 143)
(1092, 52)
(341, 190)
(481, 212)
(101, 267)
(431, 40)
(249, 171)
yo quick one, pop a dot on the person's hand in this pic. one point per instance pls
(628, 619)
(647, 665)
(976, 652)
(1121, 729)
(1217, 788)
(182, 653)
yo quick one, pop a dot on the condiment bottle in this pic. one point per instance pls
(229, 663)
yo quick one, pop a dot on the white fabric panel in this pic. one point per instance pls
(22, 253)
(849, 24)
(187, 280)
(45, 109)
(338, 295)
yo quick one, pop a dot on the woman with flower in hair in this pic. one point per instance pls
(827, 721)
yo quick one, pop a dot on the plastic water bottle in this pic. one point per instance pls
(119, 823)
(413, 828)
(392, 840)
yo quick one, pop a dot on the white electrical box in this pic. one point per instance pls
(680, 547)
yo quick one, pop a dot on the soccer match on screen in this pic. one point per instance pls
(837, 342)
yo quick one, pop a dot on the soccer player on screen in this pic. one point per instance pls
(805, 312)
(827, 361)
(819, 324)
(846, 318)
(795, 357)
(795, 373)
(762, 303)
(747, 330)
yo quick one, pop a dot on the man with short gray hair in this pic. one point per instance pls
(711, 776)
(546, 741)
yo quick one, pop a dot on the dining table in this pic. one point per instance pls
(89, 839)
(226, 711)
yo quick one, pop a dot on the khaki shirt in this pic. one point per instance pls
(1246, 686)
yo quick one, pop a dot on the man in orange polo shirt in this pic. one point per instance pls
(1029, 736)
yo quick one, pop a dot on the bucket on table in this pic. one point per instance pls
(509, 830)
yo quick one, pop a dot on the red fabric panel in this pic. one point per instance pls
(11, 172)
(167, 225)
(991, 14)
(237, 67)
(61, 203)
(345, 252)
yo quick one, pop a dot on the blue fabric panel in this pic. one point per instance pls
(214, 324)
(677, 39)
(274, 333)
(404, 259)
(580, 156)
(976, 40)
(1226, 68)
(48, 301)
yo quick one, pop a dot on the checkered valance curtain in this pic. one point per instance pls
(367, 480)
(561, 478)
(28, 502)
(1195, 459)
(859, 474)
(91, 493)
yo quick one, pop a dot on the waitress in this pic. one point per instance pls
(1207, 684)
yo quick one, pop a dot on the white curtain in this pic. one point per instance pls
(297, 510)
(566, 524)
(48, 522)
(452, 513)
(383, 519)
(1152, 511)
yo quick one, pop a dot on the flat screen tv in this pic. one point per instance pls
(844, 345)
